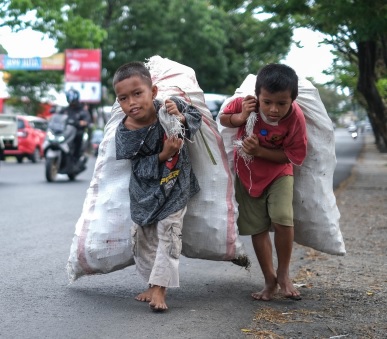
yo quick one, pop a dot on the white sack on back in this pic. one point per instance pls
(316, 215)
(209, 229)
(102, 243)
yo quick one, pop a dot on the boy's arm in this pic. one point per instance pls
(147, 166)
(190, 116)
(251, 146)
(170, 147)
(236, 113)
(293, 149)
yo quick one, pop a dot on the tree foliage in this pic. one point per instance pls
(66, 22)
(357, 29)
(220, 40)
(220, 44)
(2, 50)
(336, 104)
(29, 89)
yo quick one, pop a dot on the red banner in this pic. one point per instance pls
(83, 65)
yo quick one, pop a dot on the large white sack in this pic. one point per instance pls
(316, 215)
(209, 229)
(102, 243)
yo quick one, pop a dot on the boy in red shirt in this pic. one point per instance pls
(264, 176)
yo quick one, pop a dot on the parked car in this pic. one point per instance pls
(8, 133)
(2, 157)
(31, 132)
(214, 102)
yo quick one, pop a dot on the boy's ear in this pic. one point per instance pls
(154, 91)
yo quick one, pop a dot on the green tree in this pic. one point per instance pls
(186, 32)
(59, 21)
(221, 46)
(357, 29)
(336, 104)
(66, 21)
(252, 43)
(28, 89)
(219, 40)
(2, 50)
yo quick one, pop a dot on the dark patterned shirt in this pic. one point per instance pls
(157, 189)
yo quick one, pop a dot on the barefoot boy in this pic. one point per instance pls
(264, 183)
(161, 182)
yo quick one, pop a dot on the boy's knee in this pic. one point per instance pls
(278, 227)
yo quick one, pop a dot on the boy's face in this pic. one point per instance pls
(135, 96)
(275, 105)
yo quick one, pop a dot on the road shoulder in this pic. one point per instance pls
(342, 296)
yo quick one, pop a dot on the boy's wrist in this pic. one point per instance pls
(181, 118)
(237, 119)
(244, 116)
(258, 152)
(162, 157)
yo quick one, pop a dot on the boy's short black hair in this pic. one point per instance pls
(134, 68)
(277, 78)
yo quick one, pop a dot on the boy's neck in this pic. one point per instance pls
(133, 125)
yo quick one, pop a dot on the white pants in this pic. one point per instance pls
(157, 248)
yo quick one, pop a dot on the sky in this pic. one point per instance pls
(26, 44)
(308, 61)
(312, 59)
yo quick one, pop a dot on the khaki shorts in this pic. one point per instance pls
(157, 248)
(275, 205)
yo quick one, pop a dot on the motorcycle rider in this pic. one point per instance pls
(78, 117)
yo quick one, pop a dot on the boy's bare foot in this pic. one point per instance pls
(145, 296)
(288, 290)
(267, 293)
(157, 302)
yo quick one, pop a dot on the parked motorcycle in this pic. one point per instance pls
(59, 148)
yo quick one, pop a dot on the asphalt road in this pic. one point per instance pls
(37, 221)
(347, 151)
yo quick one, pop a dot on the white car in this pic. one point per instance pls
(214, 102)
(8, 133)
(352, 128)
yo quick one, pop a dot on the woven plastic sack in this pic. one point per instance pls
(102, 241)
(209, 229)
(316, 215)
(102, 244)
